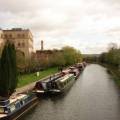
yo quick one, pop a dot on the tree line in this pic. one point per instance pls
(111, 57)
(64, 57)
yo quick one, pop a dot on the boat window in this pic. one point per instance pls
(21, 102)
(12, 107)
(39, 85)
(29, 98)
(65, 82)
(7, 109)
(61, 85)
(25, 99)
(1, 110)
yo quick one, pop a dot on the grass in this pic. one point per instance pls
(115, 72)
(116, 76)
(32, 77)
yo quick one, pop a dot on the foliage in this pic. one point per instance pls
(8, 70)
(91, 58)
(71, 55)
(66, 56)
(57, 59)
(111, 57)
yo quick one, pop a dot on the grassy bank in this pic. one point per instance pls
(116, 75)
(29, 78)
(115, 72)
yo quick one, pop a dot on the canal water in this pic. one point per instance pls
(94, 96)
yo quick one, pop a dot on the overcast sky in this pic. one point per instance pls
(88, 25)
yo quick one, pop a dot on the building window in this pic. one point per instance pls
(6, 35)
(18, 35)
(23, 44)
(18, 44)
(1, 35)
(10, 36)
(23, 35)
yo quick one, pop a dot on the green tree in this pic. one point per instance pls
(8, 70)
(71, 55)
(57, 59)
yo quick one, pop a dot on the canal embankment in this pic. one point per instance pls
(113, 71)
(26, 82)
(29, 87)
(31, 78)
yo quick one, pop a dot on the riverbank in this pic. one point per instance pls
(115, 72)
(27, 79)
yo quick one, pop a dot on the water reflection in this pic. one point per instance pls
(94, 96)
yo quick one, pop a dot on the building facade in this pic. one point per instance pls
(22, 39)
(45, 54)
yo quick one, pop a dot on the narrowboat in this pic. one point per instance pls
(62, 84)
(42, 87)
(80, 66)
(75, 71)
(84, 64)
(16, 106)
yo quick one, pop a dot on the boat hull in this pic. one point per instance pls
(19, 113)
(63, 90)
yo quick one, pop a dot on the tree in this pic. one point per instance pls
(71, 55)
(111, 57)
(57, 59)
(112, 46)
(8, 70)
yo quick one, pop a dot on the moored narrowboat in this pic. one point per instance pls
(62, 84)
(80, 66)
(75, 71)
(85, 64)
(42, 87)
(15, 107)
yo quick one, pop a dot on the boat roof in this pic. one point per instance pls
(17, 97)
(62, 79)
(51, 78)
(12, 100)
(72, 67)
(66, 71)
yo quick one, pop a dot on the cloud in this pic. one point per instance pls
(79, 23)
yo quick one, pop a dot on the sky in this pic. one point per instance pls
(87, 25)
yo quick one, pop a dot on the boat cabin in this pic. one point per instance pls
(15, 103)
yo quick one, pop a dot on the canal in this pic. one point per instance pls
(94, 96)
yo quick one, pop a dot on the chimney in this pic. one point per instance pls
(42, 45)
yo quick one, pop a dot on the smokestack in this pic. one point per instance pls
(41, 44)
